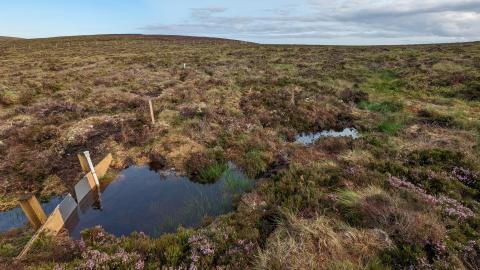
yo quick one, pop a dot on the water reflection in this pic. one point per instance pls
(140, 199)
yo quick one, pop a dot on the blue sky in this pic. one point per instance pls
(265, 21)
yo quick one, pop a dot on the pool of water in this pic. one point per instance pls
(15, 218)
(310, 138)
(143, 200)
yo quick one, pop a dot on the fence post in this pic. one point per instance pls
(33, 210)
(152, 115)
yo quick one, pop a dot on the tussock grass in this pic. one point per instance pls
(319, 243)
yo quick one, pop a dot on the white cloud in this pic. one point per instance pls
(341, 21)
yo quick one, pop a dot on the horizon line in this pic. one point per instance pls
(13, 38)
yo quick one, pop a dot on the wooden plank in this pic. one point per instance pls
(102, 167)
(84, 186)
(33, 210)
(87, 184)
(54, 223)
(83, 162)
(60, 215)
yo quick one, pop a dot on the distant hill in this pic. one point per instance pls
(9, 38)
(139, 36)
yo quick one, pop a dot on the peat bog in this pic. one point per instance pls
(400, 191)
(142, 200)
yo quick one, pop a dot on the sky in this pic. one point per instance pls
(347, 22)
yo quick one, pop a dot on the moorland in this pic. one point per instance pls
(403, 195)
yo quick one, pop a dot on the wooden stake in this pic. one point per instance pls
(92, 168)
(33, 210)
(152, 115)
(83, 163)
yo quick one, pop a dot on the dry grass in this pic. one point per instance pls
(320, 243)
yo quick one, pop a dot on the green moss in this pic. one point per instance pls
(386, 81)
(391, 126)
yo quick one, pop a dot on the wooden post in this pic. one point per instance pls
(33, 210)
(91, 168)
(152, 115)
(83, 163)
(95, 177)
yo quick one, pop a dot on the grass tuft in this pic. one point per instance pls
(212, 173)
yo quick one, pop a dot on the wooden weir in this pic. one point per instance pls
(57, 219)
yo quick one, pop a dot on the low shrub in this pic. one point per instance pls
(471, 91)
(383, 107)
(12, 242)
(334, 145)
(435, 157)
(9, 96)
(432, 117)
(254, 163)
(402, 257)
(303, 186)
(353, 96)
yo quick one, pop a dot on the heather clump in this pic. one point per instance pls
(94, 259)
(450, 206)
(465, 176)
